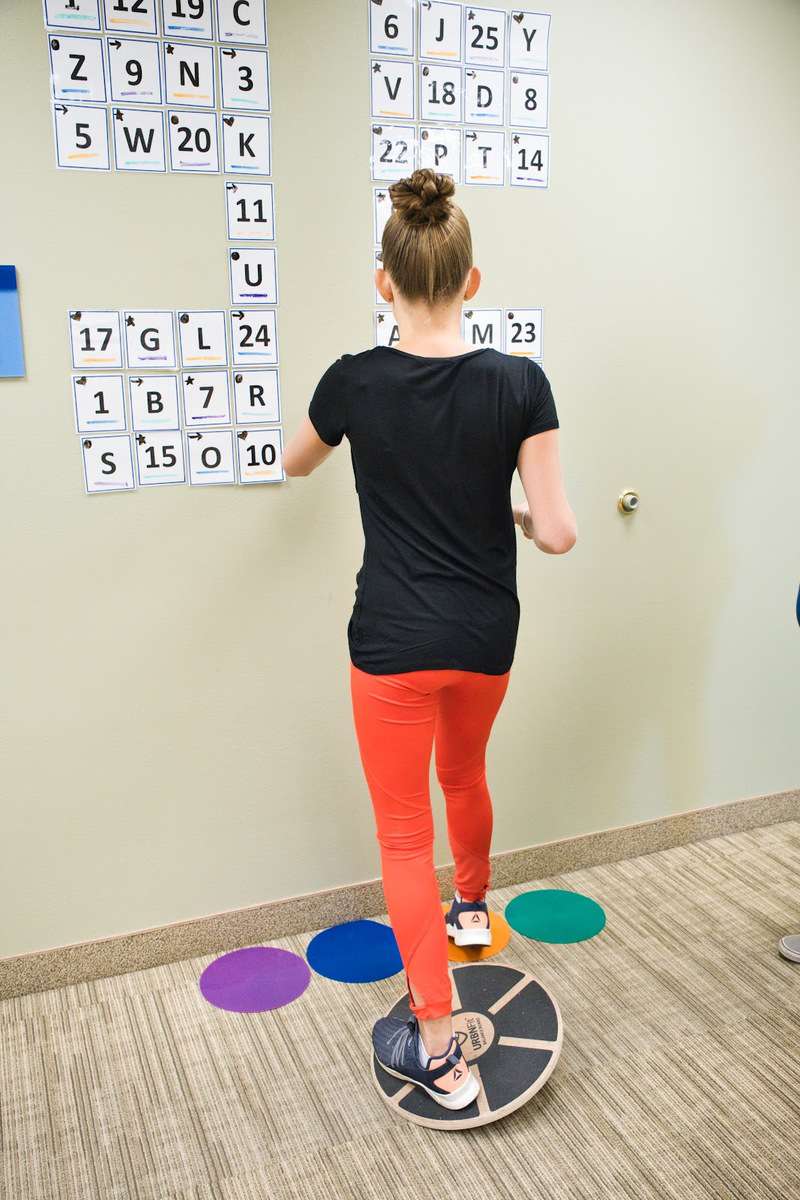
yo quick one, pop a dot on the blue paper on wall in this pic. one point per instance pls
(12, 363)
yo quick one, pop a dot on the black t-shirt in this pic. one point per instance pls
(434, 445)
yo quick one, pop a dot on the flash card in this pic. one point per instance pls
(251, 211)
(72, 14)
(203, 339)
(440, 30)
(81, 135)
(210, 456)
(393, 151)
(528, 99)
(441, 149)
(95, 338)
(523, 332)
(77, 71)
(245, 78)
(193, 142)
(242, 21)
(189, 75)
(391, 27)
(441, 92)
(484, 156)
(107, 463)
(387, 331)
(130, 16)
(483, 327)
(139, 143)
(382, 210)
(134, 68)
(154, 402)
(483, 96)
(530, 159)
(159, 457)
(529, 34)
(206, 398)
(260, 455)
(253, 275)
(256, 396)
(246, 144)
(392, 86)
(255, 337)
(99, 403)
(149, 339)
(485, 37)
(187, 18)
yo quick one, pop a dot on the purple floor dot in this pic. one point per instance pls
(255, 979)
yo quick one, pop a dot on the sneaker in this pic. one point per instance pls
(468, 922)
(395, 1043)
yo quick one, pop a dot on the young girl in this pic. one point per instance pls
(436, 428)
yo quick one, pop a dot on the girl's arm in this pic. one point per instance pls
(305, 450)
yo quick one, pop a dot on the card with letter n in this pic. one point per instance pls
(107, 463)
(72, 14)
(81, 134)
(77, 70)
(211, 456)
(246, 144)
(96, 339)
(130, 16)
(154, 402)
(159, 458)
(242, 21)
(391, 27)
(150, 339)
(203, 338)
(245, 79)
(530, 159)
(523, 332)
(528, 38)
(483, 327)
(99, 403)
(187, 19)
(257, 396)
(251, 211)
(440, 30)
(134, 68)
(394, 149)
(139, 142)
(255, 337)
(260, 455)
(189, 75)
(254, 275)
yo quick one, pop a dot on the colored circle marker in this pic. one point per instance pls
(355, 952)
(555, 915)
(255, 979)
(501, 935)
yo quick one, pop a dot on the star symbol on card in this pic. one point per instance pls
(129, 321)
(140, 439)
(376, 68)
(170, 49)
(189, 380)
(471, 15)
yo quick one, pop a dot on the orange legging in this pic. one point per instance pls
(397, 719)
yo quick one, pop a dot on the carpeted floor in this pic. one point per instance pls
(679, 1077)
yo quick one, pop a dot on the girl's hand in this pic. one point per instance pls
(522, 517)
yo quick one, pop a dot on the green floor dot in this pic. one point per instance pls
(554, 915)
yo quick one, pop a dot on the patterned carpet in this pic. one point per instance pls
(679, 1077)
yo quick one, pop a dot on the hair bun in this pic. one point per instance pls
(424, 197)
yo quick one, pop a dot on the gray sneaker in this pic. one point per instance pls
(789, 947)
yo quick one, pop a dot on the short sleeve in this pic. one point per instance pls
(328, 408)
(539, 407)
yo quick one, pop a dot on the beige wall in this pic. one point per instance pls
(178, 736)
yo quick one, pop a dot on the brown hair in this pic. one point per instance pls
(427, 246)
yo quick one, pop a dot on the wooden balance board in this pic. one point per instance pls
(509, 1027)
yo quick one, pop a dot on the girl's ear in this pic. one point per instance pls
(473, 283)
(384, 284)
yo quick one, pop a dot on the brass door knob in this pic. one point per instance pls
(628, 502)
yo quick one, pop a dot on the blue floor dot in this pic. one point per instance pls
(355, 952)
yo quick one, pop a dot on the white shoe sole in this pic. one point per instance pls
(460, 1098)
(469, 937)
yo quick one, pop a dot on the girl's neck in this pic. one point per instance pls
(430, 332)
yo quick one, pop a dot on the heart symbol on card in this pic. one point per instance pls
(518, 17)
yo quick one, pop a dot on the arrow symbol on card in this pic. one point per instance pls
(61, 108)
(138, 380)
(195, 436)
(471, 136)
(231, 187)
(115, 44)
(229, 53)
(239, 315)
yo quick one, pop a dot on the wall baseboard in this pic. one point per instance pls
(61, 966)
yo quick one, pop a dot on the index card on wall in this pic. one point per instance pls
(441, 92)
(260, 455)
(139, 143)
(245, 78)
(131, 16)
(440, 30)
(107, 463)
(211, 456)
(253, 275)
(485, 36)
(99, 403)
(134, 68)
(242, 21)
(391, 27)
(150, 339)
(182, 18)
(203, 338)
(387, 331)
(393, 150)
(189, 75)
(81, 136)
(206, 398)
(392, 84)
(441, 149)
(483, 327)
(528, 99)
(246, 144)
(484, 156)
(523, 332)
(95, 338)
(72, 14)
(255, 337)
(257, 396)
(251, 211)
(528, 37)
(159, 458)
(530, 159)
(77, 71)
(382, 210)
(484, 90)
(193, 142)
(154, 402)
